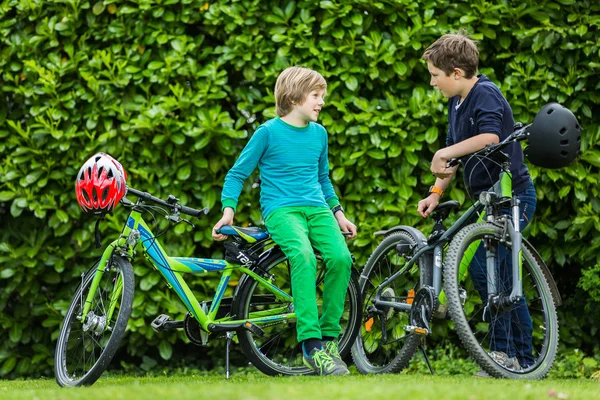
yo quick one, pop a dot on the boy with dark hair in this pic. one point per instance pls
(301, 210)
(478, 116)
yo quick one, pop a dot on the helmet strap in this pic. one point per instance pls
(97, 232)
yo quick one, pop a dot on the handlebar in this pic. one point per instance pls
(520, 133)
(173, 204)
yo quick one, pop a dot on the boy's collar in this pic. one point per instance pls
(294, 126)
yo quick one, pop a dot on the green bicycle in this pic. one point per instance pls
(260, 311)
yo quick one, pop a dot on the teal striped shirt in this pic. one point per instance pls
(293, 166)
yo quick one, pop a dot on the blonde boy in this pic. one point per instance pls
(301, 210)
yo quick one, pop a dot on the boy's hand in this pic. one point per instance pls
(428, 204)
(345, 225)
(227, 219)
(439, 166)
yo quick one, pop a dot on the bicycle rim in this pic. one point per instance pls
(278, 351)
(370, 352)
(85, 348)
(499, 343)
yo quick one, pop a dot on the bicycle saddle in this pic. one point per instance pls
(253, 232)
(443, 209)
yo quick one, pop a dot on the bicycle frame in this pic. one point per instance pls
(136, 231)
(476, 212)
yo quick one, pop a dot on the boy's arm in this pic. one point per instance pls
(468, 146)
(488, 115)
(326, 186)
(330, 196)
(243, 167)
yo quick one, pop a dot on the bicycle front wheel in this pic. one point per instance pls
(85, 348)
(278, 352)
(383, 345)
(516, 340)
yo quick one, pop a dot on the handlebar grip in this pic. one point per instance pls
(193, 211)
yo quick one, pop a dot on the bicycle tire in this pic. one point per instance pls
(369, 354)
(278, 351)
(476, 336)
(83, 353)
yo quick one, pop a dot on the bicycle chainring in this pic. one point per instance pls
(423, 307)
(192, 330)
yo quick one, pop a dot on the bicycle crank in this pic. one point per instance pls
(421, 312)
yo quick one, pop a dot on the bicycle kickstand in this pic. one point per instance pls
(422, 347)
(227, 346)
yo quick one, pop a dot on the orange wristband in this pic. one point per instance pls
(435, 189)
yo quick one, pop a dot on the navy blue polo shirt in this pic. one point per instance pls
(485, 110)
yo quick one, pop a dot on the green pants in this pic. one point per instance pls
(297, 230)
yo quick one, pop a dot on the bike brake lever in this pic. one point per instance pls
(174, 218)
(188, 222)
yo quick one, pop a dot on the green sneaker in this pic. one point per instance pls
(322, 363)
(331, 348)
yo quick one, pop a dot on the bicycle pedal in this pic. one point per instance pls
(416, 329)
(255, 329)
(163, 322)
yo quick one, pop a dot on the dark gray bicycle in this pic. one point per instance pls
(402, 288)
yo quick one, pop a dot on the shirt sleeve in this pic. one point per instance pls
(326, 186)
(488, 113)
(243, 167)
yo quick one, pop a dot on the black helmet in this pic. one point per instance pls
(554, 137)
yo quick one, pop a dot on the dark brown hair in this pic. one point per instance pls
(454, 50)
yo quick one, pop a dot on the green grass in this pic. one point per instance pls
(261, 387)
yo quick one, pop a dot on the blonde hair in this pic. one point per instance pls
(454, 50)
(293, 85)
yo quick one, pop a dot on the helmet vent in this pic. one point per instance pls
(100, 172)
(85, 195)
(564, 142)
(564, 154)
(550, 111)
(563, 130)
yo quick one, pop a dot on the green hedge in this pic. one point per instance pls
(173, 89)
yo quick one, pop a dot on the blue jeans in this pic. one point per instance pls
(510, 331)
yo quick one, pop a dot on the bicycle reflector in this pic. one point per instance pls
(554, 137)
(100, 184)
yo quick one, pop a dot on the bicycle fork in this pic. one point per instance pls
(496, 299)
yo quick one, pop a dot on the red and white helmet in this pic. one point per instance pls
(101, 184)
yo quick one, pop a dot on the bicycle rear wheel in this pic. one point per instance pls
(517, 341)
(278, 352)
(371, 355)
(85, 348)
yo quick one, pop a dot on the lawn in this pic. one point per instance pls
(258, 386)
